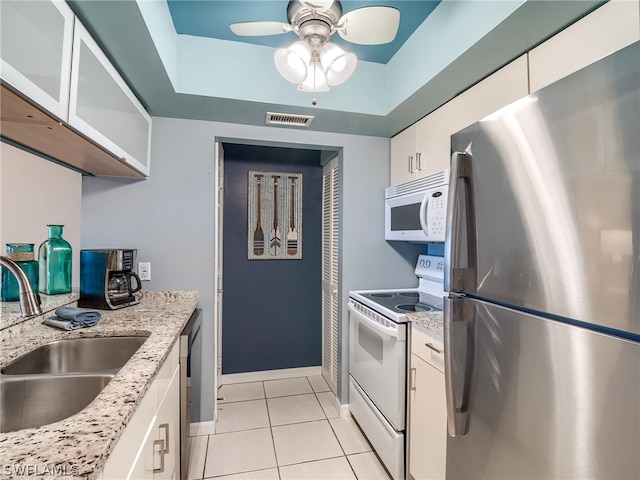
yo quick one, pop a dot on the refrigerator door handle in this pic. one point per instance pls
(458, 276)
(458, 407)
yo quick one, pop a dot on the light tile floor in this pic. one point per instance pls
(282, 430)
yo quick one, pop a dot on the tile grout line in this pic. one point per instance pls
(273, 441)
(271, 426)
(206, 454)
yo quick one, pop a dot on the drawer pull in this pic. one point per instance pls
(161, 444)
(432, 347)
(412, 379)
(166, 436)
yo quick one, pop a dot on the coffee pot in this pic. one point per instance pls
(119, 285)
(107, 278)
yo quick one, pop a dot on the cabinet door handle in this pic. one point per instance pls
(412, 380)
(418, 161)
(411, 164)
(432, 347)
(160, 443)
(166, 436)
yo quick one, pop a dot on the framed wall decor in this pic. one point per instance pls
(274, 216)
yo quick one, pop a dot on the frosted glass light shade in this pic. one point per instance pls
(316, 80)
(292, 62)
(337, 64)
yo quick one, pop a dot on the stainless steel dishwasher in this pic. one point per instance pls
(190, 341)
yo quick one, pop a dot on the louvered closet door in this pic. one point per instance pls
(330, 200)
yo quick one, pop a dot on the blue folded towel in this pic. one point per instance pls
(71, 318)
(87, 318)
(61, 324)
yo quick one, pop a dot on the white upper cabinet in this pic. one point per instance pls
(35, 46)
(104, 108)
(405, 157)
(425, 147)
(498, 90)
(611, 27)
(433, 142)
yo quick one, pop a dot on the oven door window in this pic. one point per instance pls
(377, 361)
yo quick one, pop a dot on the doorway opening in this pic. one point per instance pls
(270, 311)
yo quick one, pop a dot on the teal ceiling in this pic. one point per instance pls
(191, 76)
(212, 19)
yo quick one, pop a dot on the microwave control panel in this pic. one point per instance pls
(436, 214)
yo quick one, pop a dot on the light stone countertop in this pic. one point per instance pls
(10, 311)
(432, 322)
(78, 446)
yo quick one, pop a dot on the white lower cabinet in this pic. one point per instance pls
(149, 448)
(427, 408)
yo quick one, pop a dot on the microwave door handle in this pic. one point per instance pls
(424, 211)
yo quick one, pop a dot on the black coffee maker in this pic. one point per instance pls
(106, 278)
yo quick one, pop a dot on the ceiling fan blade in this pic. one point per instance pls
(247, 29)
(370, 25)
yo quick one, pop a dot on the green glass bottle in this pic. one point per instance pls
(22, 254)
(54, 257)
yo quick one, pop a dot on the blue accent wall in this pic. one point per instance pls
(271, 317)
(436, 249)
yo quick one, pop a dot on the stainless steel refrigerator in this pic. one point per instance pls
(542, 322)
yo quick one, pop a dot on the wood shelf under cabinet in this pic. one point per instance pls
(26, 124)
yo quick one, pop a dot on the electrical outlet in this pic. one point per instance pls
(144, 270)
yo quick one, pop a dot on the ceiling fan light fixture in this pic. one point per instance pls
(337, 64)
(316, 80)
(292, 62)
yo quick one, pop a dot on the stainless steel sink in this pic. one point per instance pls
(33, 401)
(105, 354)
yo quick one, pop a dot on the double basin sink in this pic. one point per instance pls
(59, 379)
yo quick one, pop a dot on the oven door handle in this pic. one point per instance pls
(389, 331)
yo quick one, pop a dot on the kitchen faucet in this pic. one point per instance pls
(29, 300)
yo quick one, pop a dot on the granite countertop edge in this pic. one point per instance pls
(431, 322)
(78, 446)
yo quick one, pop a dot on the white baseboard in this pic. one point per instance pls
(270, 375)
(202, 428)
(342, 409)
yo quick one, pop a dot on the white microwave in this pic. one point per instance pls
(415, 211)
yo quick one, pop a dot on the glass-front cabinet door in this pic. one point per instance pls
(104, 108)
(35, 46)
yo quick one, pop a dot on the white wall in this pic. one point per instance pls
(35, 192)
(170, 219)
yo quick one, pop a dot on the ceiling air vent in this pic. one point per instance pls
(289, 119)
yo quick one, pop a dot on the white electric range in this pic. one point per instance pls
(378, 358)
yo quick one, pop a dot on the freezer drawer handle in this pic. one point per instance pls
(458, 407)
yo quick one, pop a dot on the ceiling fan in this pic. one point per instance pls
(313, 62)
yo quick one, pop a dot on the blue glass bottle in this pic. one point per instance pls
(54, 257)
(22, 254)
